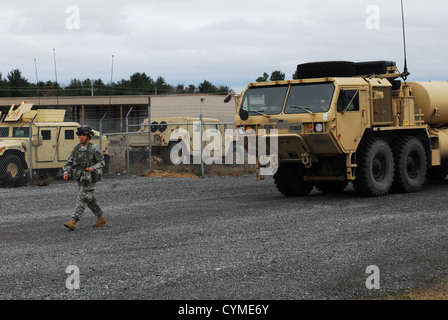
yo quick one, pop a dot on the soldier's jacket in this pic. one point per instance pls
(83, 157)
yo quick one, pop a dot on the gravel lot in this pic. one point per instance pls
(219, 238)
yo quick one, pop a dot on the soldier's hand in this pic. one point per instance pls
(65, 177)
(89, 169)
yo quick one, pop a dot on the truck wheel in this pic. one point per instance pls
(331, 186)
(375, 171)
(11, 169)
(410, 165)
(289, 180)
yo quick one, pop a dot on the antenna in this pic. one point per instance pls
(405, 71)
(112, 69)
(35, 67)
(55, 72)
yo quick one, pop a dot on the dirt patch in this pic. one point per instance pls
(436, 291)
(172, 174)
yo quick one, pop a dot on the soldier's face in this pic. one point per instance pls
(83, 139)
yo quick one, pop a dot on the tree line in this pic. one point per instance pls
(16, 85)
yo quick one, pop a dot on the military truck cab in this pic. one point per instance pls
(341, 122)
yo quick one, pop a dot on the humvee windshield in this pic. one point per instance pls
(302, 98)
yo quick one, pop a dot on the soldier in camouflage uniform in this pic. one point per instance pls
(85, 163)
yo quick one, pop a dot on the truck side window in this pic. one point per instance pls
(69, 134)
(348, 100)
(46, 134)
(4, 132)
(20, 132)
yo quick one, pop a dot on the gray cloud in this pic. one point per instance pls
(230, 43)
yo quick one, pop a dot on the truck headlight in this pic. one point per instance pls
(318, 127)
(241, 130)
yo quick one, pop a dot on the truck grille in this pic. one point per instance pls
(382, 108)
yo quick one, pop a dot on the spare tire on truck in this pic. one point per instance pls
(325, 69)
(372, 67)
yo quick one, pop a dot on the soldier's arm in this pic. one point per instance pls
(98, 158)
(69, 164)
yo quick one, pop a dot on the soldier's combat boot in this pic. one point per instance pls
(101, 221)
(71, 224)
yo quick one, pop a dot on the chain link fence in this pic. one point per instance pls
(177, 144)
(33, 154)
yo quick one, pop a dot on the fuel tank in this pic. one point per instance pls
(432, 98)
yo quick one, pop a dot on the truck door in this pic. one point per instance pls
(47, 151)
(351, 117)
(66, 142)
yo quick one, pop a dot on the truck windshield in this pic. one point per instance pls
(310, 98)
(264, 100)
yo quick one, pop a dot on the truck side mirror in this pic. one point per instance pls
(228, 98)
(244, 114)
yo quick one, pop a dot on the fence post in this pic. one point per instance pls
(202, 145)
(150, 139)
(31, 147)
(101, 132)
(127, 140)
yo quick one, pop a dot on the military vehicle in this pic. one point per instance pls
(339, 121)
(166, 144)
(45, 133)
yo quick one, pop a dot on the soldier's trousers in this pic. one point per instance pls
(85, 198)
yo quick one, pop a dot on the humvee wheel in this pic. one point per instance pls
(289, 180)
(410, 165)
(11, 168)
(375, 171)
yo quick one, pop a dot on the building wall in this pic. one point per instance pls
(212, 106)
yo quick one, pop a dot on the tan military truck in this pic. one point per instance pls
(51, 141)
(339, 122)
(166, 144)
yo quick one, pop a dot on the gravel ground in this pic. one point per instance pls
(219, 238)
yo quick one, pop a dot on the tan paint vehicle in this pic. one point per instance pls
(166, 144)
(51, 141)
(341, 122)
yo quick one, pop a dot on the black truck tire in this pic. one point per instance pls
(12, 171)
(410, 164)
(375, 171)
(325, 69)
(289, 180)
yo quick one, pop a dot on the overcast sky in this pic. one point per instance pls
(227, 42)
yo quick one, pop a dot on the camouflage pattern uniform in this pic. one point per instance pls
(80, 158)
